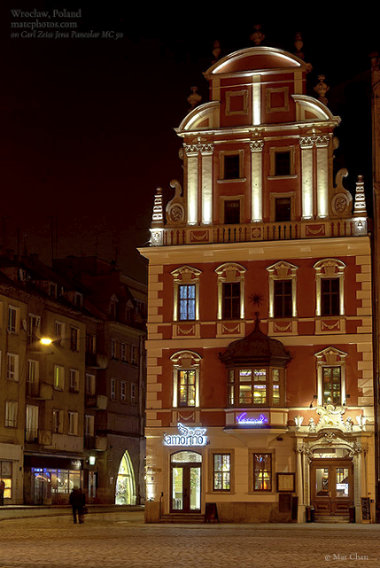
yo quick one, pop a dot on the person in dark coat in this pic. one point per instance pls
(78, 502)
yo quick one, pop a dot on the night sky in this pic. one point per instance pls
(87, 124)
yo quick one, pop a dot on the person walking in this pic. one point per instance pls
(2, 489)
(77, 502)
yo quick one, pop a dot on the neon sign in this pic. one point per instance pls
(243, 418)
(186, 437)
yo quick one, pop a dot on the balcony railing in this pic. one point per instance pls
(319, 228)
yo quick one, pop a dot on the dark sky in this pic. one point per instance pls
(87, 124)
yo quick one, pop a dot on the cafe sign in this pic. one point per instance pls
(187, 437)
(253, 420)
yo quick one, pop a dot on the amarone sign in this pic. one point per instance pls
(186, 437)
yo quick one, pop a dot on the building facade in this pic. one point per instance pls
(259, 350)
(70, 409)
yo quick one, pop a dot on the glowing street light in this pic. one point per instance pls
(46, 341)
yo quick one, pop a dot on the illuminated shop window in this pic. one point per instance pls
(185, 379)
(262, 472)
(6, 476)
(186, 293)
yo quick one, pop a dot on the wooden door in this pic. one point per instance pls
(332, 486)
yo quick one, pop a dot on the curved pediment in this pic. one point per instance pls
(310, 109)
(257, 60)
(202, 117)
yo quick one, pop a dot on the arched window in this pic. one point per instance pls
(185, 379)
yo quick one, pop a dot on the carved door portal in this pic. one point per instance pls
(332, 486)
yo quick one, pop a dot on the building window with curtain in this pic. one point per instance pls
(262, 472)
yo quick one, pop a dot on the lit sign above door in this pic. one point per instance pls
(244, 419)
(186, 437)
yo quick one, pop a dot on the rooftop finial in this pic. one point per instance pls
(321, 89)
(298, 44)
(257, 37)
(216, 50)
(360, 209)
(194, 98)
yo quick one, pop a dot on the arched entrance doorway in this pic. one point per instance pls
(185, 482)
(125, 493)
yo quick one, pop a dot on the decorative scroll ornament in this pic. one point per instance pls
(175, 209)
(341, 202)
(356, 449)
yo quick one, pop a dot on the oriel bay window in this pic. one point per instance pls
(251, 387)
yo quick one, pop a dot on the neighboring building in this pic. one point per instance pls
(115, 379)
(264, 414)
(55, 401)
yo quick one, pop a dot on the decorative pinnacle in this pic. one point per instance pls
(158, 211)
(360, 209)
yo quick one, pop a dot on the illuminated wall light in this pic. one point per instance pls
(92, 460)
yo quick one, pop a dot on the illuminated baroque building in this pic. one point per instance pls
(259, 378)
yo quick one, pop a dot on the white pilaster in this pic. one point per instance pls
(307, 177)
(322, 176)
(207, 151)
(256, 147)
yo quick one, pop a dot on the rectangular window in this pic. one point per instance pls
(245, 387)
(74, 339)
(134, 355)
(231, 387)
(59, 331)
(74, 380)
(113, 389)
(12, 367)
(123, 351)
(259, 386)
(282, 209)
(232, 212)
(282, 163)
(231, 300)
(59, 377)
(6, 476)
(11, 409)
(222, 472)
(73, 423)
(123, 390)
(90, 344)
(186, 387)
(113, 349)
(133, 392)
(262, 472)
(57, 421)
(32, 377)
(330, 296)
(283, 299)
(89, 425)
(12, 319)
(90, 384)
(276, 391)
(31, 423)
(331, 385)
(186, 301)
(231, 166)
(33, 328)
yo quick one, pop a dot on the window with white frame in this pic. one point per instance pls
(186, 379)
(123, 351)
(59, 377)
(329, 279)
(186, 293)
(230, 291)
(331, 376)
(12, 319)
(57, 421)
(73, 423)
(12, 366)
(282, 290)
(74, 380)
(34, 323)
(31, 423)
(133, 392)
(134, 354)
(11, 410)
(32, 377)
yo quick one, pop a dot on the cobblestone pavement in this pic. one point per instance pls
(121, 540)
